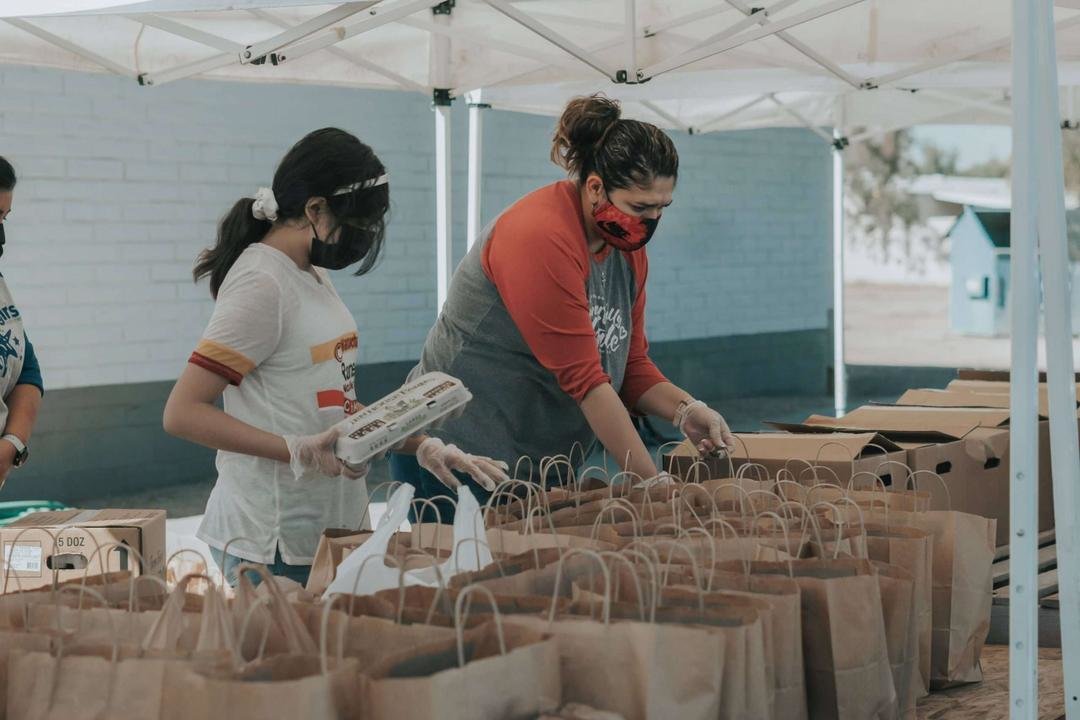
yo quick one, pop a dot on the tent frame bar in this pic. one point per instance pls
(477, 106)
(651, 30)
(830, 139)
(337, 52)
(179, 29)
(65, 44)
(749, 20)
(546, 58)
(377, 18)
(693, 55)
(717, 122)
(557, 39)
(761, 18)
(304, 30)
(1061, 382)
(1023, 436)
(1001, 44)
(675, 122)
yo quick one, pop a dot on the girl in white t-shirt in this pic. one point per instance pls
(281, 347)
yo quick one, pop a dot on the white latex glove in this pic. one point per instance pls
(441, 460)
(704, 427)
(664, 479)
(313, 455)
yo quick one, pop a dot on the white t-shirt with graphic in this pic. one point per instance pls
(287, 344)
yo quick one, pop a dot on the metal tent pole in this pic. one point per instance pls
(1024, 436)
(476, 165)
(441, 100)
(839, 367)
(1056, 269)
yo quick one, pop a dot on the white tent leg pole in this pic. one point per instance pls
(476, 166)
(839, 369)
(1064, 444)
(1023, 440)
(441, 98)
(443, 234)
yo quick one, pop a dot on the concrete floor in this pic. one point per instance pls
(909, 325)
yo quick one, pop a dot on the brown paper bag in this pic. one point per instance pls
(80, 686)
(848, 674)
(285, 686)
(16, 640)
(745, 623)
(496, 670)
(628, 667)
(913, 550)
(962, 589)
(901, 633)
(782, 594)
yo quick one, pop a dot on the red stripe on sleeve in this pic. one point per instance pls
(215, 367)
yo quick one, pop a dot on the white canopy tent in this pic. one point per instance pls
(700, 65)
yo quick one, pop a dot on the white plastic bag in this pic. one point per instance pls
(357, 575)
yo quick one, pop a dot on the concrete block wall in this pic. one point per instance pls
(121, 186)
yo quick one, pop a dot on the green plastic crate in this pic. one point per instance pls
(12, 511)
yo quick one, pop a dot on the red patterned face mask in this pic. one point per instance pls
(623, 231)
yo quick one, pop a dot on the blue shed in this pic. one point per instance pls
(979, 256)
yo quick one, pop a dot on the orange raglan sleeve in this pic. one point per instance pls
(540, 269)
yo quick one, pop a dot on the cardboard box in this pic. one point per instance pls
(996, 387)
(58, 546)
(994, 375)
(967, 398)
(967, 447)
(843, 454)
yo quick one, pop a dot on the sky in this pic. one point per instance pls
(974, 143)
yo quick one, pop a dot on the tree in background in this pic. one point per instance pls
(884, 218)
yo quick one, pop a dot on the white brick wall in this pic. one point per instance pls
(121, 186)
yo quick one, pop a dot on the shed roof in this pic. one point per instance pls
(996, 224)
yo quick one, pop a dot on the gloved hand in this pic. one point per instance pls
(704, 427)
(441, 460)
(664, 479)
(313, 455)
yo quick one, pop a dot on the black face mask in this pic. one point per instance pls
(351, 247)
(1, 239)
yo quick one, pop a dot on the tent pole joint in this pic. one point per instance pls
(1070, 124)
(868, 85)
(841, 143)
(442, 97)
(444, 8)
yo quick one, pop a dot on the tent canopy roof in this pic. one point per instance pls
(701, 64)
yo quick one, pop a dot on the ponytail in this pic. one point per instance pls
(235, 232)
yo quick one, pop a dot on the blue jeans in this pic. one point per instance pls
(404, 468)
(229, 563)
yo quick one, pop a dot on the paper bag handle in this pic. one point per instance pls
(913, 478)
(787, 536)
(461, 613)
(558, 580)
(740, 491)
(611, 506)
(758, 468)
(132, 576)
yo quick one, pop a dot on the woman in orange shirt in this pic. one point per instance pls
(545, 319)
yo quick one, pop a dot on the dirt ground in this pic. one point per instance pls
(909, 325)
